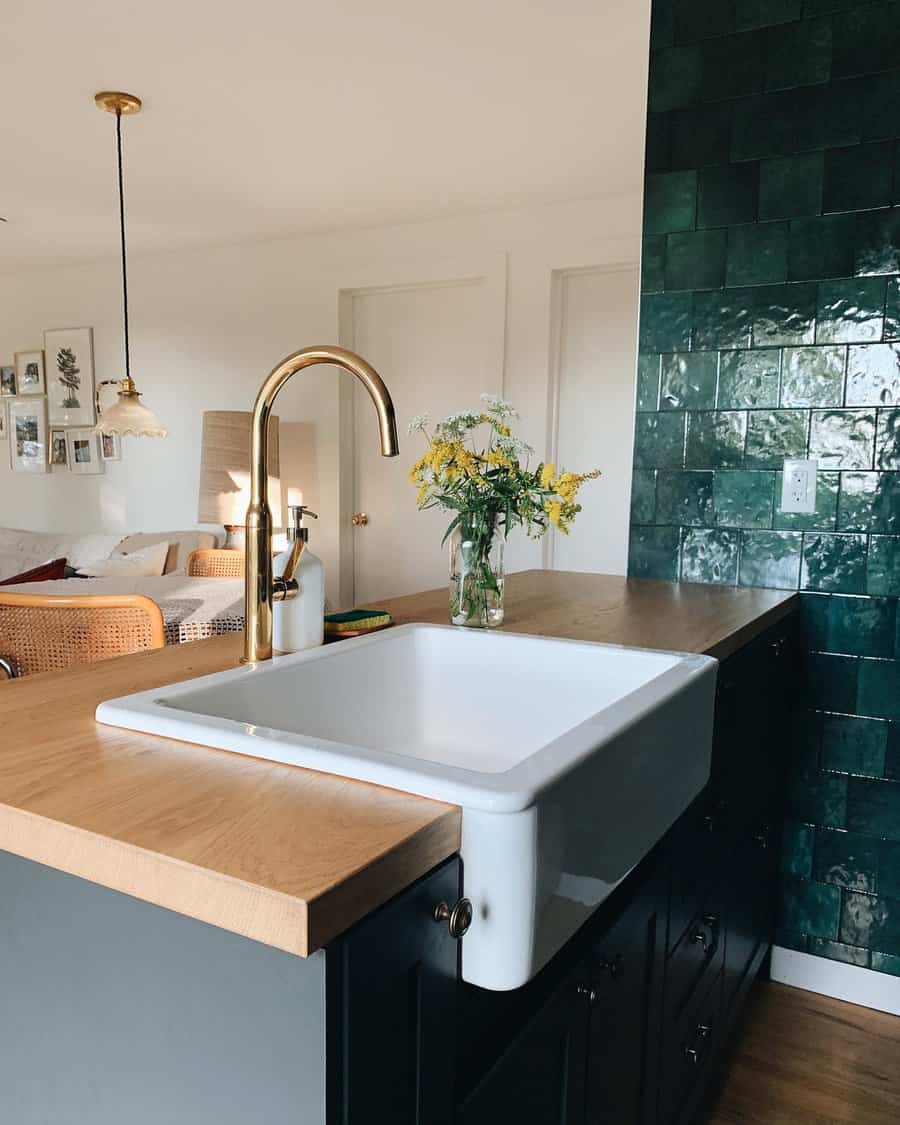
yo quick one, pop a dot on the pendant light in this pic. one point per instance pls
(127, 415)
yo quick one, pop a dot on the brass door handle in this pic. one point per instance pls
(360, 519)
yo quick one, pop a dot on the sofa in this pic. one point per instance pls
(21, 551)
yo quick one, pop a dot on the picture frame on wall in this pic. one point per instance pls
(8, 381)
(83, 452)
(28, 435)
(59, 450)
(110, 447)
(30, 373)
(4, 423)
(69, 356)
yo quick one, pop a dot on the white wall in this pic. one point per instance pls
(208, 324)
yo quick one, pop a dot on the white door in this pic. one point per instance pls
(596, 364)
(437, 346)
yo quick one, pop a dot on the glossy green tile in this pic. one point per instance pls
(887, 438)
(749, 379)
(879, 691)
(839, 951)
(670, 202)
(824, 518)
(784, 314)
(851, 744)
(703, 19)
(695, 260)
(643, 495)
(883, 568)
(832, 683)
(709, 556)
(828, 116)
(873, 374)
(889, 868)
(653, 553)
(813, 376)
(872, 921)
(877, 242)
(811, 908)
(862, 626)
(799, 54)
(771, 558)
(842, 439)
(858, 177)
(662, 23)
(765, 13)
(658, 143)
(791, 186)
(727, 194)
(892, 755)
(684, 498)
(892, 305)
(723, 319)
(850, 311)
(773, 435)
(821, 248)
(675, 76)
(764, 126)
(733, 66)
(866, 39)
(797, 849)
(744, 498)
(870, 502)
(688, 381)
(822, 7)
(791, 939)
(648, 382)
(653, 264)
(846, 859)
(880, 106)
(873, 807)
(665, 322)
(659, 441)
(885, 963)
(818, 797)
(814, 620)
(701, 135)
(834, 563)
(715, 439)
(757, 254)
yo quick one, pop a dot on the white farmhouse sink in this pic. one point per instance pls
(570, 760)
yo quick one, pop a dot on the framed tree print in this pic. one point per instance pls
(69, 354)
(28, 435)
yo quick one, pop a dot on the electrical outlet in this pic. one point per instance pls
(798, 488)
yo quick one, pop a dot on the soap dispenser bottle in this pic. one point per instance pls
(299, 621)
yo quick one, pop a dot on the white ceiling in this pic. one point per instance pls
(285, 116)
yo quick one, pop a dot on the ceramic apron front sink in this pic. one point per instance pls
(570, 760)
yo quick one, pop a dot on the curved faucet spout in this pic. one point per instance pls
(259, 586)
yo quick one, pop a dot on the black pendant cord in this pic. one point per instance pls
(122, 231)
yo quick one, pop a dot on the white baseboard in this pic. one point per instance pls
(852, 983)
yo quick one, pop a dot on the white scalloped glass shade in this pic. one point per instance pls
(129, 417)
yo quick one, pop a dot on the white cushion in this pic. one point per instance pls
(43, 545)
(148, 563)
(181, 543)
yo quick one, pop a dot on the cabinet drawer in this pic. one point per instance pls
(690, 1047)
(701, 846)
(698, 957)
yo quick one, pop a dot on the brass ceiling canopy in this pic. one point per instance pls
(115, 101)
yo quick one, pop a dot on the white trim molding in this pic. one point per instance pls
(837, 979)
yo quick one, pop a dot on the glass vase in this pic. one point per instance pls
(476, 571)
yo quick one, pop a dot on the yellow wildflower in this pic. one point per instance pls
(553, 508)
(422, 493)
(548, 471)
(499, 460)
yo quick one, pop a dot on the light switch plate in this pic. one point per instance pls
(798, 488)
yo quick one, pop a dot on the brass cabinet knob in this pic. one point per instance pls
(458, 917)
(360, 519)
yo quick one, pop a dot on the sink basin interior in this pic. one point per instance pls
(475, 701)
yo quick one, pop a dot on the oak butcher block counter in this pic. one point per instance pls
(286, 856)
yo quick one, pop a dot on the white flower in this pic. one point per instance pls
(417, 424)
(514, 447)
(499, 407)
(458, 425)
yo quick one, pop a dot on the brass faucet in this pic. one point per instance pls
(260, 587)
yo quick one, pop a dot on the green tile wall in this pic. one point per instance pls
(770, 327)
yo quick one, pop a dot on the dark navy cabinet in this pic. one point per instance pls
(629, 1023)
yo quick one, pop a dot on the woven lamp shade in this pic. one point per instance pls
(225, 468)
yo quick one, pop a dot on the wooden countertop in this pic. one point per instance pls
(286, 856)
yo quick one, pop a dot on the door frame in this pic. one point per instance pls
(397, 276)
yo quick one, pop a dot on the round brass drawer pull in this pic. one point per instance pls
(360, 519)
(458, 918)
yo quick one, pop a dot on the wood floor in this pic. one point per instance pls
(805, 1059)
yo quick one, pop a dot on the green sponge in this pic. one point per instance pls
(356, 621)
